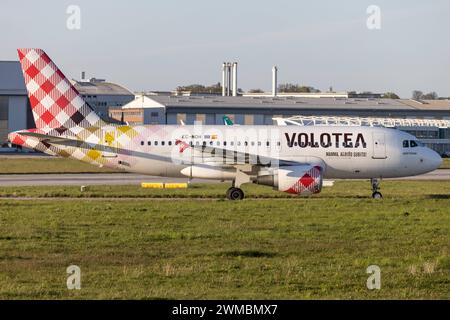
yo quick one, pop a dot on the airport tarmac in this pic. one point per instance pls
(129, 178)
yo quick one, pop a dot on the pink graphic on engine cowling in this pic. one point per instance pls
(309, 183)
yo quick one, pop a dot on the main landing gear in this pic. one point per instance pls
(375, 187)
(242, 176)
(234, 193)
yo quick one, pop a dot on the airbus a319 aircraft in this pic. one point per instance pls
(292, 159)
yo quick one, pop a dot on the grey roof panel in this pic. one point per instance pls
(280, 102)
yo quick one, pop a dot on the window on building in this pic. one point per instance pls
(248, 119)
(181, 117)
(201, 118)
(4, 108)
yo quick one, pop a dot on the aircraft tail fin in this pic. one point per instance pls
(227, 121)
(54, 100)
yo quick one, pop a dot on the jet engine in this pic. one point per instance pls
(302, 180)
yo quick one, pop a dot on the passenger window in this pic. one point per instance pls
(267, 143)
(218, 143)
(405, 144)
(142, 143)
(170, 143)
(162, 143)
(149, 143)
(413, 144)
(224, 143)
(246, 143)
(156, 143)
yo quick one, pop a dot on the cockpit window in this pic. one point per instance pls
(415, 143)
(405, 144)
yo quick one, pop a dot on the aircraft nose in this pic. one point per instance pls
(433, 160)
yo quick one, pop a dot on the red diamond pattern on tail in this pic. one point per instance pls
(47, 117)
(51, 93)
(62, 102)
(47, 86)
(32, 71)
(34, 101)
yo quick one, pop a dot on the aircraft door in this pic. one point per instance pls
(379, 146)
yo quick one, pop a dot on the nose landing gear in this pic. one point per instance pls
(375, 187)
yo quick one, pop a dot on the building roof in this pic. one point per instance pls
(288, 103)
(11, 79)
(100, 88)
(428, 104)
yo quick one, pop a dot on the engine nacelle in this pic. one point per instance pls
(301, 180)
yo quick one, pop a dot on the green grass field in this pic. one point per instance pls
(203, 247)
(446, 163)
(19, 165)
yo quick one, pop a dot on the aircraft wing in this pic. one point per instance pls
(211, 154)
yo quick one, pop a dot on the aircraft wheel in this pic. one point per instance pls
(228, 192)
(235, 194)
(377, 195)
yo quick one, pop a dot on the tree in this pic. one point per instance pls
(255, 91)
(430, 96)
(199, 88)
(417, 95)
(390, 95)
(295, 88)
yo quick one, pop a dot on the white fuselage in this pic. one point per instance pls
(349, 152)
